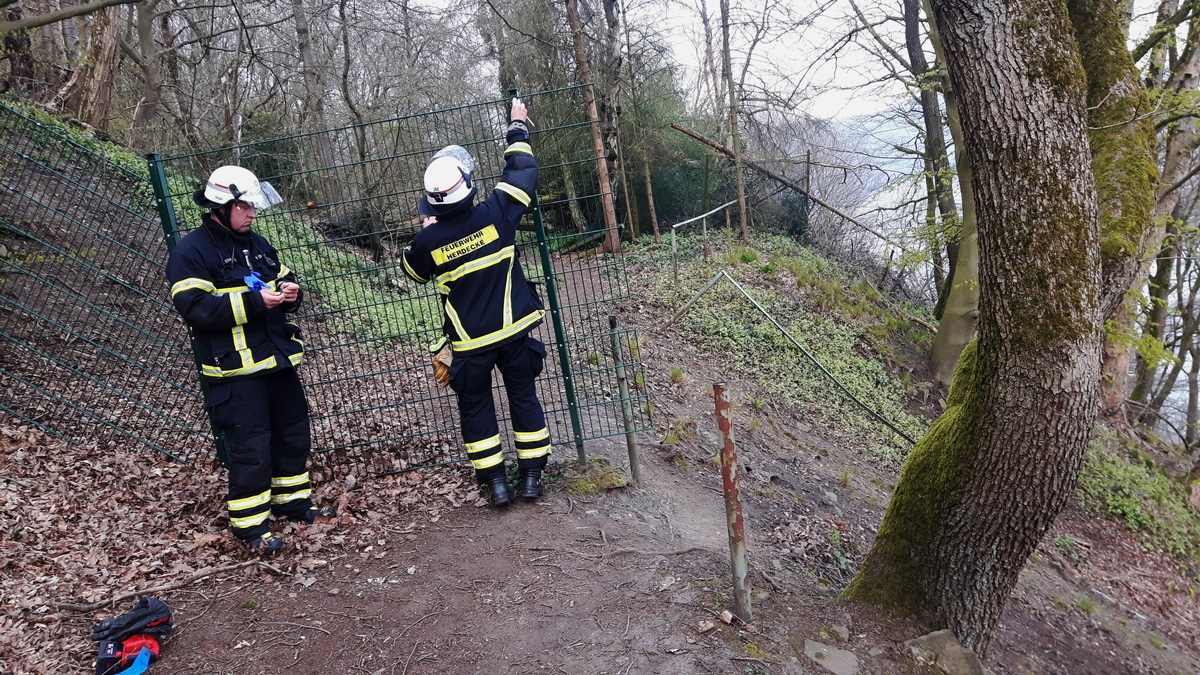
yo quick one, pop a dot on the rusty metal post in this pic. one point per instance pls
(635, 471)
(733, 506)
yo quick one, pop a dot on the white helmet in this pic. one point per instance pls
(233, 183)
(449, 181)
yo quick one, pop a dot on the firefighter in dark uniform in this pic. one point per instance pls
(469, 251)
(235, 294)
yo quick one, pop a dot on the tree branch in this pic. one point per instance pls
(1161, 30)
(57, 15)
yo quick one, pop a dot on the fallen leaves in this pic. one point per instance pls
(84, 528)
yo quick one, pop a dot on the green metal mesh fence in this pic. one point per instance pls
(89, 346)
(350, 208)
(92, 350)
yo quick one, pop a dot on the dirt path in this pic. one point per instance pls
(611, 583)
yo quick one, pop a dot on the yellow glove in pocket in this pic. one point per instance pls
(443, 356)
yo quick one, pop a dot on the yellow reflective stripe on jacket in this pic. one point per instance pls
(408, 268)
(514, 192)
(192, 283)
(501, 335)
(521, 147)
(238, 304)
(444, 279)
(239, 343)
(216, 371)
(452, 314)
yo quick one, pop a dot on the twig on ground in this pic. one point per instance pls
(207, 572)
(748, 658)
(410, 655)
(623, 551)
(401, 633)
(770, 580)
(297, 625)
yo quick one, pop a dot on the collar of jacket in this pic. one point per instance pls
(215, 227)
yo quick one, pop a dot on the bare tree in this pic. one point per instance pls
(612, 241)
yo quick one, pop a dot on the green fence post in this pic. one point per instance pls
(170, 226)
(560, 333)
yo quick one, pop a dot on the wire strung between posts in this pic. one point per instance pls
(712, 282)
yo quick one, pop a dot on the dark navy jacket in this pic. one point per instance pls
(472, 258)
(235, 334)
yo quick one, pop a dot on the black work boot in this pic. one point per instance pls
(531, 486)
(498, 491)
(266, 543)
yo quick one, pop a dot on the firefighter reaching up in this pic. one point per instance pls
(235, 294)
(469, 251)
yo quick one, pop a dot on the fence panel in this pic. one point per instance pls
(350, 207)
(90, 348)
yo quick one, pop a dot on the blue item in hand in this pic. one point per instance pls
(254, 282)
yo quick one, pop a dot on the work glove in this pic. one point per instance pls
(443, 356)
(150, 617)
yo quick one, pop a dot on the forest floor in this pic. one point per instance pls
(418, 575)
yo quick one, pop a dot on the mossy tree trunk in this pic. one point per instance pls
(984, 485)
(1124, 161)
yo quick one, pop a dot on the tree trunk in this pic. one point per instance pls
(18, 49)
(1122, 140)
(1193, 404)
(957, 324)
(148, 55)
(100, 72)
(1156, 313)
(610, 76)
(933, 241)
(947, 228)
(983, 486)
(736, 143)
(650, 196)
(612, 240)
(710, 60)
(327, 189)
(1186, 306)
(1181, 144)
(646, 162)
(577, 217)
(366, 220)
(630, 207)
